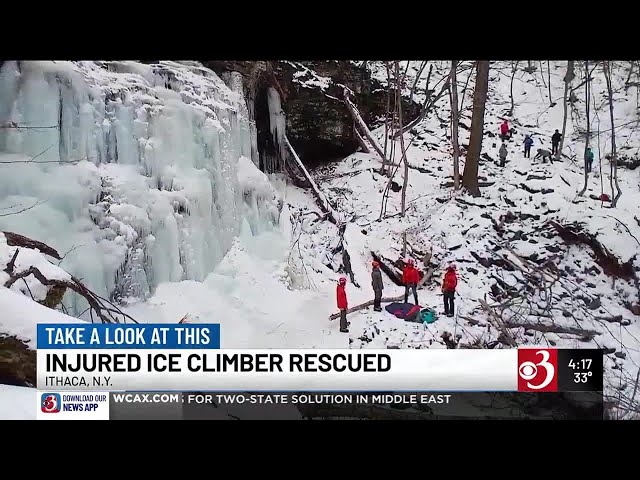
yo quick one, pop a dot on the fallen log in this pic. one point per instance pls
(322, 199)
(16, 240)
(357, 118)
(480, 184)
(364, 305)
(552, 328)
(471, 204)
(361, 141)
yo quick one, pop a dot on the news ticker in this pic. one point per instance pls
(152, 357)
(83, 405)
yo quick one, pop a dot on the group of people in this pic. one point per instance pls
(410, 279)
(505, 134)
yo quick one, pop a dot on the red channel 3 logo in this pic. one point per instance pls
(537, 370)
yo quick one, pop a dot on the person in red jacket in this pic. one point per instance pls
(504, 131)
(341, 296)
(410, 278)
(449, 284)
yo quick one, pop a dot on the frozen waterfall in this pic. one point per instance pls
(140, 174)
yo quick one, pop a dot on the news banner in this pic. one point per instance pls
(160, 371)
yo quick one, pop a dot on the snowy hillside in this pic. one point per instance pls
(529, 243)
(149, 191)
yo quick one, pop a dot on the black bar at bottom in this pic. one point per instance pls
(360, 405)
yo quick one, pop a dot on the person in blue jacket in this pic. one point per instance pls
(528, 141)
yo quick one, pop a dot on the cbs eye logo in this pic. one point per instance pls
(537, 370)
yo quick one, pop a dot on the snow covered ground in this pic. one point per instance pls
(526, 196)
(17, 403)
(275, 286)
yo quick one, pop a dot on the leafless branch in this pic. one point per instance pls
(39, 202)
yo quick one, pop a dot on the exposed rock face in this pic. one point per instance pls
(319, 127)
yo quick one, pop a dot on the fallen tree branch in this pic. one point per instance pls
(498, 323)
(552, 328)
(480, 184)
(22, 210)
(361, 141)
(12, 262)
(17, 240)
(360, 122)
(424, 280)
(323, 202)
(105, 310)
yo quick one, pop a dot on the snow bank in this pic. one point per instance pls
(17, 403)
(26, 259)
(21, 315)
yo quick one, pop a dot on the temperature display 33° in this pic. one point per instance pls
(580, 370)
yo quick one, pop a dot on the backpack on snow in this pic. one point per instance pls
(427, 316)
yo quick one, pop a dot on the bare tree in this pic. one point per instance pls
(551, 104)
(386, 117)
(587, 96)
(470, 174)
(417, 79)
(429, 102)
(615, 186)
(405, 182)
(568, 78)
(514, 69)
(454, 124)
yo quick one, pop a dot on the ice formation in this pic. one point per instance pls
(277, 120)
(140, 172)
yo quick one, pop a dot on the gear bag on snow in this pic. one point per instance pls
(427, 315)
(406, 311)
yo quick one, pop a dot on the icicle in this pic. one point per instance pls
(277, 124)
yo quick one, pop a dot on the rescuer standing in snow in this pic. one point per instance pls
(410, 278)
(449, 284)
(505, 131)
(341, 297)
(376, 283)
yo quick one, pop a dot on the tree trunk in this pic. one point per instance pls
(470, 174)
(549, 82)
(323, 202)
(615, 186)
(454, 125)
(386, 118)
(587, 95)
(405, 182)
(568, 78)
(514, 69)
(363, 126)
